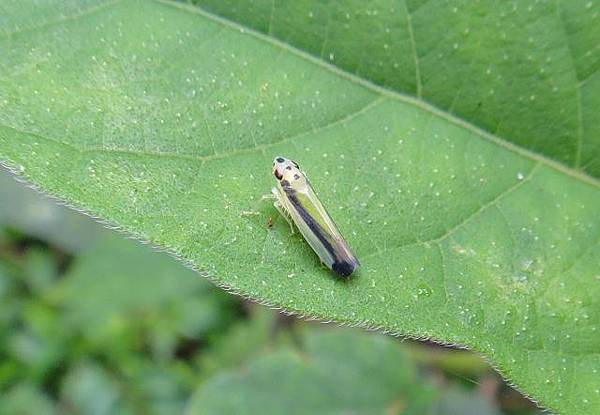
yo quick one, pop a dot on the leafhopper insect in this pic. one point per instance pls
(296, 200)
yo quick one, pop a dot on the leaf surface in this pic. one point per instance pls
(526, 71)
(164, 120)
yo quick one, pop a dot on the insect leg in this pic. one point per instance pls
(246, 213)
(269, 196)
(285, 215)
(279, 204)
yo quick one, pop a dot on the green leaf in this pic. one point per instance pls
(483, 61)
(157, 390)
(89, 389)
(26, 399)
(40, 270)
(164, 119)
(243, 340)
(335, 373)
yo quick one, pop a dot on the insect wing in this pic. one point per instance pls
(319, 230)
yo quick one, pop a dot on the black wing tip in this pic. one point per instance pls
(344, 268)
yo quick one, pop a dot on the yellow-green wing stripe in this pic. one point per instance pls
(342, 260)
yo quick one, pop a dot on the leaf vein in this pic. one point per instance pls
(260, 147)
(491, 202)
(470, 217)
(577, 163)
(386, 92)
(61, 19)
(413, 45)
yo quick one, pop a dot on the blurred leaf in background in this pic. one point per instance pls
(336, 371)
(91, 323)
(34, 216)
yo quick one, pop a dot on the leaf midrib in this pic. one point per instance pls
(407, 99)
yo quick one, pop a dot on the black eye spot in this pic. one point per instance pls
(288, 168)
(296, 176)
(280, 160)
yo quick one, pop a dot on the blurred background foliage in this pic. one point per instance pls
(92, 323)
